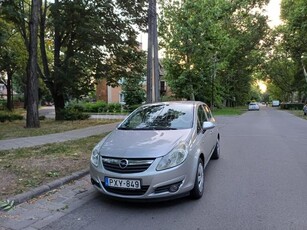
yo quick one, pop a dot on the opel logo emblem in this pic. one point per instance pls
(123, 163)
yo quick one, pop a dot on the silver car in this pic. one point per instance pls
(159, 151)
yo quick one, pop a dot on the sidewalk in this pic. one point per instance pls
(24, 142)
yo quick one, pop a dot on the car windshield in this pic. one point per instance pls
(160, 117)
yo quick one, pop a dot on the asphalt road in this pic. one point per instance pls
(260, 182)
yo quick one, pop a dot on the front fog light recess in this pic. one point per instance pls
(174, 187)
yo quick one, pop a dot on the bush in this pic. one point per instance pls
(7, 116)
(96, 107)
(114, 107)
(72, 114)
(76, 106)
(292, 106)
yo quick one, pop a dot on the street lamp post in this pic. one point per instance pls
(153, 77)
(213, 79)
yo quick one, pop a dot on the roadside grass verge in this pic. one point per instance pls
(229, 111)
(27, 168)
(298, 113)
(15, 129)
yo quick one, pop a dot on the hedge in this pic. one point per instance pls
(292, 106)
(6, 116)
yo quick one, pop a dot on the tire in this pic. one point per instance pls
(216, 152)
(198, 190)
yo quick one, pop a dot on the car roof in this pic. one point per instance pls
(176, 102)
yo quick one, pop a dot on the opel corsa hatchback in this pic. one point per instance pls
(159, 151)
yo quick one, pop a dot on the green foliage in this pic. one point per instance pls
(94, 107)
(212, 48)
(288, 57)
(86, 24)
(133, 90)
(114, 107)
(292, 106)
(72, 114)
(131, 108)
(53, 174)
(6, 205)
(97, 107)
(76, 106)
(8, 116)
(77, 45)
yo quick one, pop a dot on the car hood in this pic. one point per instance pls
(142, 143)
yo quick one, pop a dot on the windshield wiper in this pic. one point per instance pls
(125, 128)
(155, 128)
(148, 128)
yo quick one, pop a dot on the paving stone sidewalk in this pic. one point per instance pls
(47, 208)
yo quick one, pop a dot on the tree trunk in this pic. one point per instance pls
(57, 92)
(59, 104)
(9, 102)
(32, 79)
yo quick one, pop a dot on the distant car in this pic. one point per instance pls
(253, 106)
(275, 103)
(159, 151)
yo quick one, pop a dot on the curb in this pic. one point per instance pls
(23, 197)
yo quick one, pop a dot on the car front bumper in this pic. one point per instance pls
(155, 184)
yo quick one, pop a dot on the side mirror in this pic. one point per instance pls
(208, 125)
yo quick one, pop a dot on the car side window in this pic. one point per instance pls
(201, 118)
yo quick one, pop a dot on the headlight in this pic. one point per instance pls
(95, 157)
(173, 158)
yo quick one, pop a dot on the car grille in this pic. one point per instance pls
(120, 165)
(129, 192)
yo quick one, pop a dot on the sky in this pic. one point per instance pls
(273, 12)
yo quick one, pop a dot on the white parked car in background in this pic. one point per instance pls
(275, 103)
(253, 106)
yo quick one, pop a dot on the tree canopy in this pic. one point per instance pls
(81, 41)
(212, 48)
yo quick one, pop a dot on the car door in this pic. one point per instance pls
(204, 137)
(213, 132)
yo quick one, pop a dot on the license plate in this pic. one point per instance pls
(122, 183)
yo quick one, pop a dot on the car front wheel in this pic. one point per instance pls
(198, 189)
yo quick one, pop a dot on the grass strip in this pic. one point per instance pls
(27, 168)
(15, 129)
